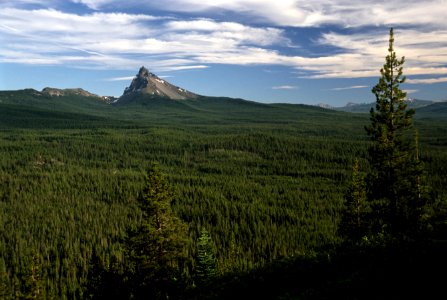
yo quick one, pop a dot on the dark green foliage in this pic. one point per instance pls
(435, 217)
(402, 271)
(33, 287)
(107, 281)
(354, 224)
(396, 191)
(206, 263)
(266, 180)
(155, 250)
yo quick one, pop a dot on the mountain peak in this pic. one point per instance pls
(143, 72)
(146, 82)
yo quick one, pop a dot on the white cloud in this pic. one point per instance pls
(186, 68)
(411, 91)
(95, 4)
(50, 21)
(350, 87)
(285, 87)
(99, 38)
(127, 78)
(346, 13)
(229, 31)
(426, 80)
(364, 53)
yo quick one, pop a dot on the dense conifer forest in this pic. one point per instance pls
(266, 182)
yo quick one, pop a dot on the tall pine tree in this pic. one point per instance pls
(155, 252)
(395, 187)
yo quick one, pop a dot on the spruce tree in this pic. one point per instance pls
(206, 267)
(353, 225)
(395, 187)
(155, 251)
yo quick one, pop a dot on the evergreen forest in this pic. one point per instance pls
(255, 192)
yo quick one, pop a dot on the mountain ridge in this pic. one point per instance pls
(149, 92)
(366, 107)
(80, 99)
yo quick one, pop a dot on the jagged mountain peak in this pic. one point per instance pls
(146, 82)
(143, 72)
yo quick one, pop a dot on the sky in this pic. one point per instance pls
(288, 51)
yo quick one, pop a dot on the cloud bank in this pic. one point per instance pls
(126, 40)
(304, 13)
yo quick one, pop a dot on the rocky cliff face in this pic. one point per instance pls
(146, 82)
(140, 82)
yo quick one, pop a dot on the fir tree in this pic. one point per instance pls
(206, 267)
(395, 187)
(155, 251)
(353, 225)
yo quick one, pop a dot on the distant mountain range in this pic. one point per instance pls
(148, 90)
(366, 107)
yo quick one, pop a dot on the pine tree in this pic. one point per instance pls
(353, 225)
(395, 187)
(155, 251)
(206, 267)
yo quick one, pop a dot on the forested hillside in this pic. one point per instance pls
(265, 181)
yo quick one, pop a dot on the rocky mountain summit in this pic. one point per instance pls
(146, 82)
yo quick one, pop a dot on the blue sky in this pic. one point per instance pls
(321, 51)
